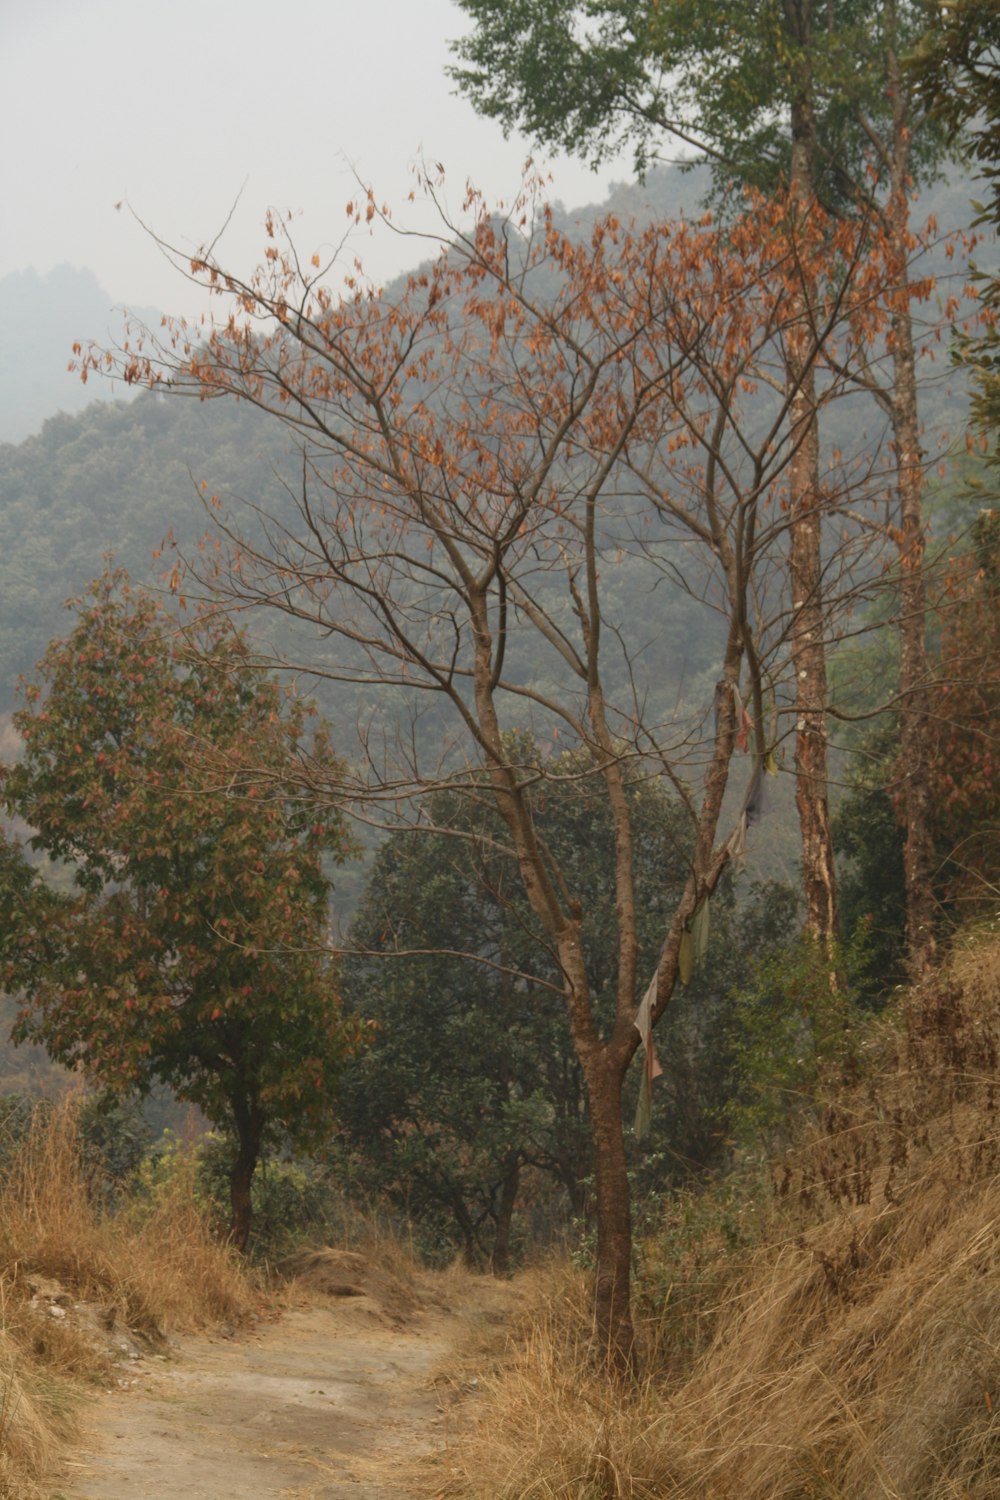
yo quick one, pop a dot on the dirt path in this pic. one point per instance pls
(330, 1402)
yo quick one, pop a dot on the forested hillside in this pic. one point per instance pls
(133, 478)
(122, 476)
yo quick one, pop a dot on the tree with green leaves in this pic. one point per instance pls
(813, 95)
(162, 768)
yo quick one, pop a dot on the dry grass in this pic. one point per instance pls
(163, 1271)
(853, 1352)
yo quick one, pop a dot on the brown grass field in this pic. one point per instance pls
(824, 1327)
(852, 1352)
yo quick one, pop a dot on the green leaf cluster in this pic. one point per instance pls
(470, 1084)
(798, 1028)
(956, 69)
(590, 76)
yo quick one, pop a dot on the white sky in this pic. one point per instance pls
(176, 106)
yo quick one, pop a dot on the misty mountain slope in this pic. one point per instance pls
(41, 317)
(117, 476)
(121, 475)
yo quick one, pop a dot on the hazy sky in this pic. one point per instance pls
(178, 105)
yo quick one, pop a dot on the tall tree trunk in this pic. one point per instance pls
(805, 565)
(603, 1071)
(919, 858)
(613, 1270)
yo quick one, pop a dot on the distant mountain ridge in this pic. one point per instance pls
(40, 319)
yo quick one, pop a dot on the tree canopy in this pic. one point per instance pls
(162, 767)
(957, 69)
(592, 75)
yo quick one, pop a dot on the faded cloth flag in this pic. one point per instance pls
(651, 1066)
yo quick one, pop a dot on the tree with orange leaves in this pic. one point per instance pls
(479, 458)
(815, 95)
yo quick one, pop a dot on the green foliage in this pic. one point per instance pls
(17, 1112)
(114, 1138)
(962, 729)
(162, 767)
(797, 1029)
(590, 76)
(471, 1075)
(293, 1201)
(111, 1137)
(869, 838)
(965, 721)
(694, 1042)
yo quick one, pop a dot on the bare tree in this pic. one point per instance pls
(495, 467)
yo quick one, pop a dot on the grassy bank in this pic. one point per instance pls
(73, 1278)
(829, 1331)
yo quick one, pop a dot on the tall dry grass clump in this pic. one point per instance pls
(146, 1272)
(853, 1352)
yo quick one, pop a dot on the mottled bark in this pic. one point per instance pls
(613, 1324)
(603, 1065)
(805, 564)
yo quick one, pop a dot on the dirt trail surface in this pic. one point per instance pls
(333, 1400)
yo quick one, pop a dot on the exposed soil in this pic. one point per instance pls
(340, 1397)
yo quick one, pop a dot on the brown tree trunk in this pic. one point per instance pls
(809, 664)
(603, 1071)
(500, 1260)
(805, 562)
(241, 1178)
(613, 1325)
(919, 858)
